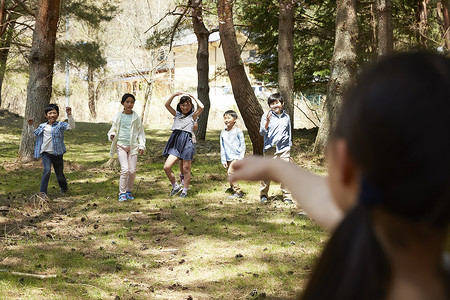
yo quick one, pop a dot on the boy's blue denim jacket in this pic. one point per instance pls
(58, 129)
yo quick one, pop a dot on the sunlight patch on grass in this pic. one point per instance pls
(9, 138)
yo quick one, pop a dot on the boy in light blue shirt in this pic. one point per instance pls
(232, 148)
(276, 130)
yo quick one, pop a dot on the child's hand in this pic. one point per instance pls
(30, 121)
(269, 115)
(225, 165)
(69, 110)
(112, 136)
(141, 151)
(253, 168)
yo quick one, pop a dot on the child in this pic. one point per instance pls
(180, 145)
(232, 148)
(276, 130)
(387, 198)
(50, 145)
(128, 140)
(194, 141)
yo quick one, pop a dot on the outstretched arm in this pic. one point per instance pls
(169, 101)
(310, 191)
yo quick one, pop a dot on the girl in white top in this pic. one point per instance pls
(128, 140)
(180, 145)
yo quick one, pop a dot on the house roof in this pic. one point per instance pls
(192, 39)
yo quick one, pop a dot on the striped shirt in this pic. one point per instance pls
(180, 122)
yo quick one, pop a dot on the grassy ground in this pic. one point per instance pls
(155, 247)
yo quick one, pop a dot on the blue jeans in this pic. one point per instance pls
(58, 164)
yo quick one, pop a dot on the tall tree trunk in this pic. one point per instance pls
(373, 36)
(91, 93)
(286, 55)
(343, 68)
(445, 4)
(42, 58)
(5, 43)
(422, 23)
(148, 94)
(385, 31)
(202, 34)
(244, 95)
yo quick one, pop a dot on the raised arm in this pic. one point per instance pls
(30, 128)
(200, 107)
(310, 191)
(70, 118)
(169, 102)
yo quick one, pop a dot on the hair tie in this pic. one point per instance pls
(370, 195)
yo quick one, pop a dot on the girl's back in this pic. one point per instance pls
(396, 125)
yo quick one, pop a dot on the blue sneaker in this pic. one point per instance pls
(122, 197)
(129, 196)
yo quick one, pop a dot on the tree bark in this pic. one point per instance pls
(91, 93)
(385, 29)
(286, 55)
(202, 34)
(41, 57)
(422, 22)
(343, 68)
(446, 23)
(5, 43)
(244, 95)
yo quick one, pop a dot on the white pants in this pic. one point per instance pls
(128, 165)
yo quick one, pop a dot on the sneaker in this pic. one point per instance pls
(43, 196)
(122, 197)
(63, 191)
(263, 199)
(183, 195)
(287, 201)
(236, 195)
(129, 196)
(229, 190)
(176, 190)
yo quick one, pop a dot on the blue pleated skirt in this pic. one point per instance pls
(180, 145)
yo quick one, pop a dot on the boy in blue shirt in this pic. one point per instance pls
(232, 148)
(276, 130)
(50, 145)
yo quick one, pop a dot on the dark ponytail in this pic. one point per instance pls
(352, 265)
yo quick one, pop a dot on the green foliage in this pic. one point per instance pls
(91, 12)
(80, 54)
(314, 36)
(313, 41)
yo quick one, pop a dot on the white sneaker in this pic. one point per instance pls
(176, 190)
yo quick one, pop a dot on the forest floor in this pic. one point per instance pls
(87, 245)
